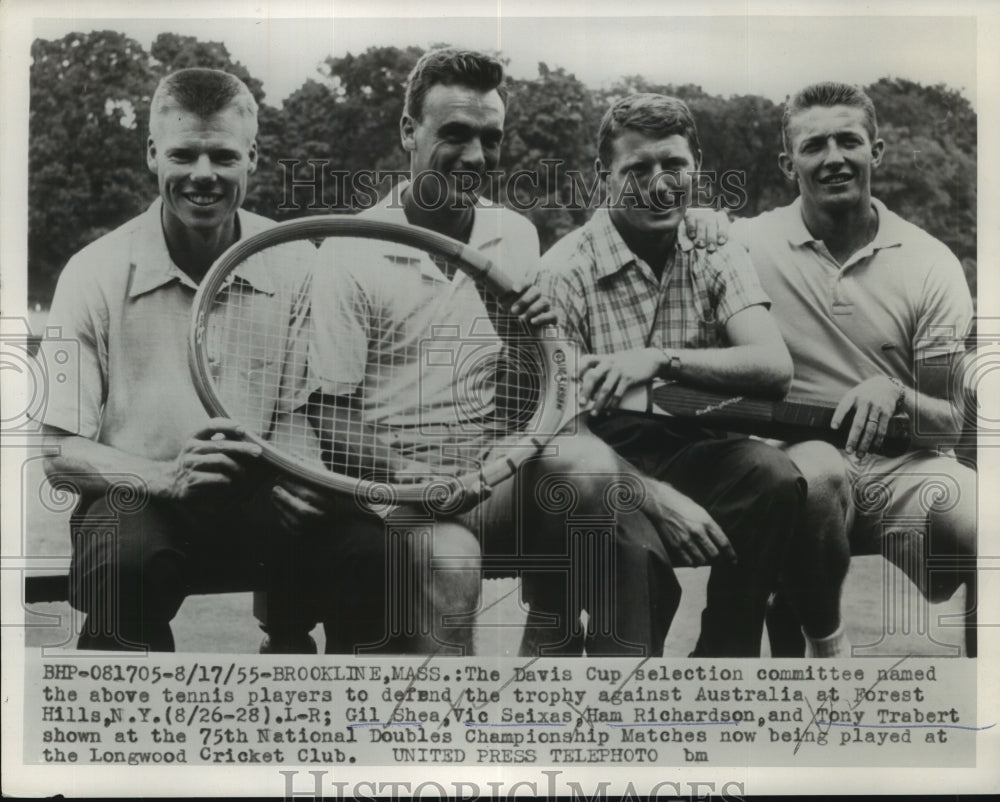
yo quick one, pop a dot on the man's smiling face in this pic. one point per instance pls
(460, 131)
(831, 156)
(201, 165)
(649, 181)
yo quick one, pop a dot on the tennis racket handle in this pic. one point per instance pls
(792, 422)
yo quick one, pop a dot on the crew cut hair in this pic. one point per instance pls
(828, 94)
(451, 66)
(203, 92)
(648, 113)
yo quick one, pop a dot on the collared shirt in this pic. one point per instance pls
(415, 345)
(123, 308)
(900, 299)
(610, 300)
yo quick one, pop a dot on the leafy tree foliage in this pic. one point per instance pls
(929, 172)
(89, 103)
(551, 135)
(170, 52)
(89, 117)
(344, 121)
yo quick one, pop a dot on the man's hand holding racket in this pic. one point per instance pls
(873, 402)
(216, 460)
(531, 307)
(213, 461)
(605, 378)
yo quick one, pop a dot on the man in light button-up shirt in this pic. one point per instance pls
(182, 490)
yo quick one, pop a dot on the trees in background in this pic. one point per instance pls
(928, 175)
(344, 120)
(89, 101)
(551, 135)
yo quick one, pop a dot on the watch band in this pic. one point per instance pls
(900, 392)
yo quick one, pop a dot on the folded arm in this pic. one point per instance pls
(757, 363)
(213, 459)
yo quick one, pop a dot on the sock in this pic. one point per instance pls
(833, 645)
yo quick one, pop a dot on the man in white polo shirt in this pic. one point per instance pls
(873, 310)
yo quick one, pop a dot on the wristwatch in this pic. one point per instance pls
(672, 365)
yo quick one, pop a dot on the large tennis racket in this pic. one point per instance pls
(472, 400)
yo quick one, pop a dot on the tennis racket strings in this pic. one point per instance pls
(420, 370)
(376, 356)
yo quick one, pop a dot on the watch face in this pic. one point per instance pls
(673, 362)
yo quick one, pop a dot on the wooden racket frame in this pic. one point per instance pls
(441, 495)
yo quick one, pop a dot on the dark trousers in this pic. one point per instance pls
(132, 568)
(751, 490)
(618, 572)
(568, 526)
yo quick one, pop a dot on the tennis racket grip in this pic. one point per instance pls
(791, 421)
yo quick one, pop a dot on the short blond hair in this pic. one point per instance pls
(828, 94)
(205, 93)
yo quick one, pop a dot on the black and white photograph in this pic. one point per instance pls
(483, 399)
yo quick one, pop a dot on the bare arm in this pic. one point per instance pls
(213, 459)
(757, 363)
(936, 420)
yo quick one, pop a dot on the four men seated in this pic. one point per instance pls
(853, 306)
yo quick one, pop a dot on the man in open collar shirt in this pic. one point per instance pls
(180, 492)
(644, 305)
(874, 311)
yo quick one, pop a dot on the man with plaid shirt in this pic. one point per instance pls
(644, 304)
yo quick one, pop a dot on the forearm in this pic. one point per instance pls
(934, 421)
(752, 369)
(94, 467)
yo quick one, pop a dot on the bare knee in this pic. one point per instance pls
(582, 452)
(453, 540)
(823, 467)
(952, 529)
(952, 518)
(454, 577)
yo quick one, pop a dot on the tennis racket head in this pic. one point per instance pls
(348, 381)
